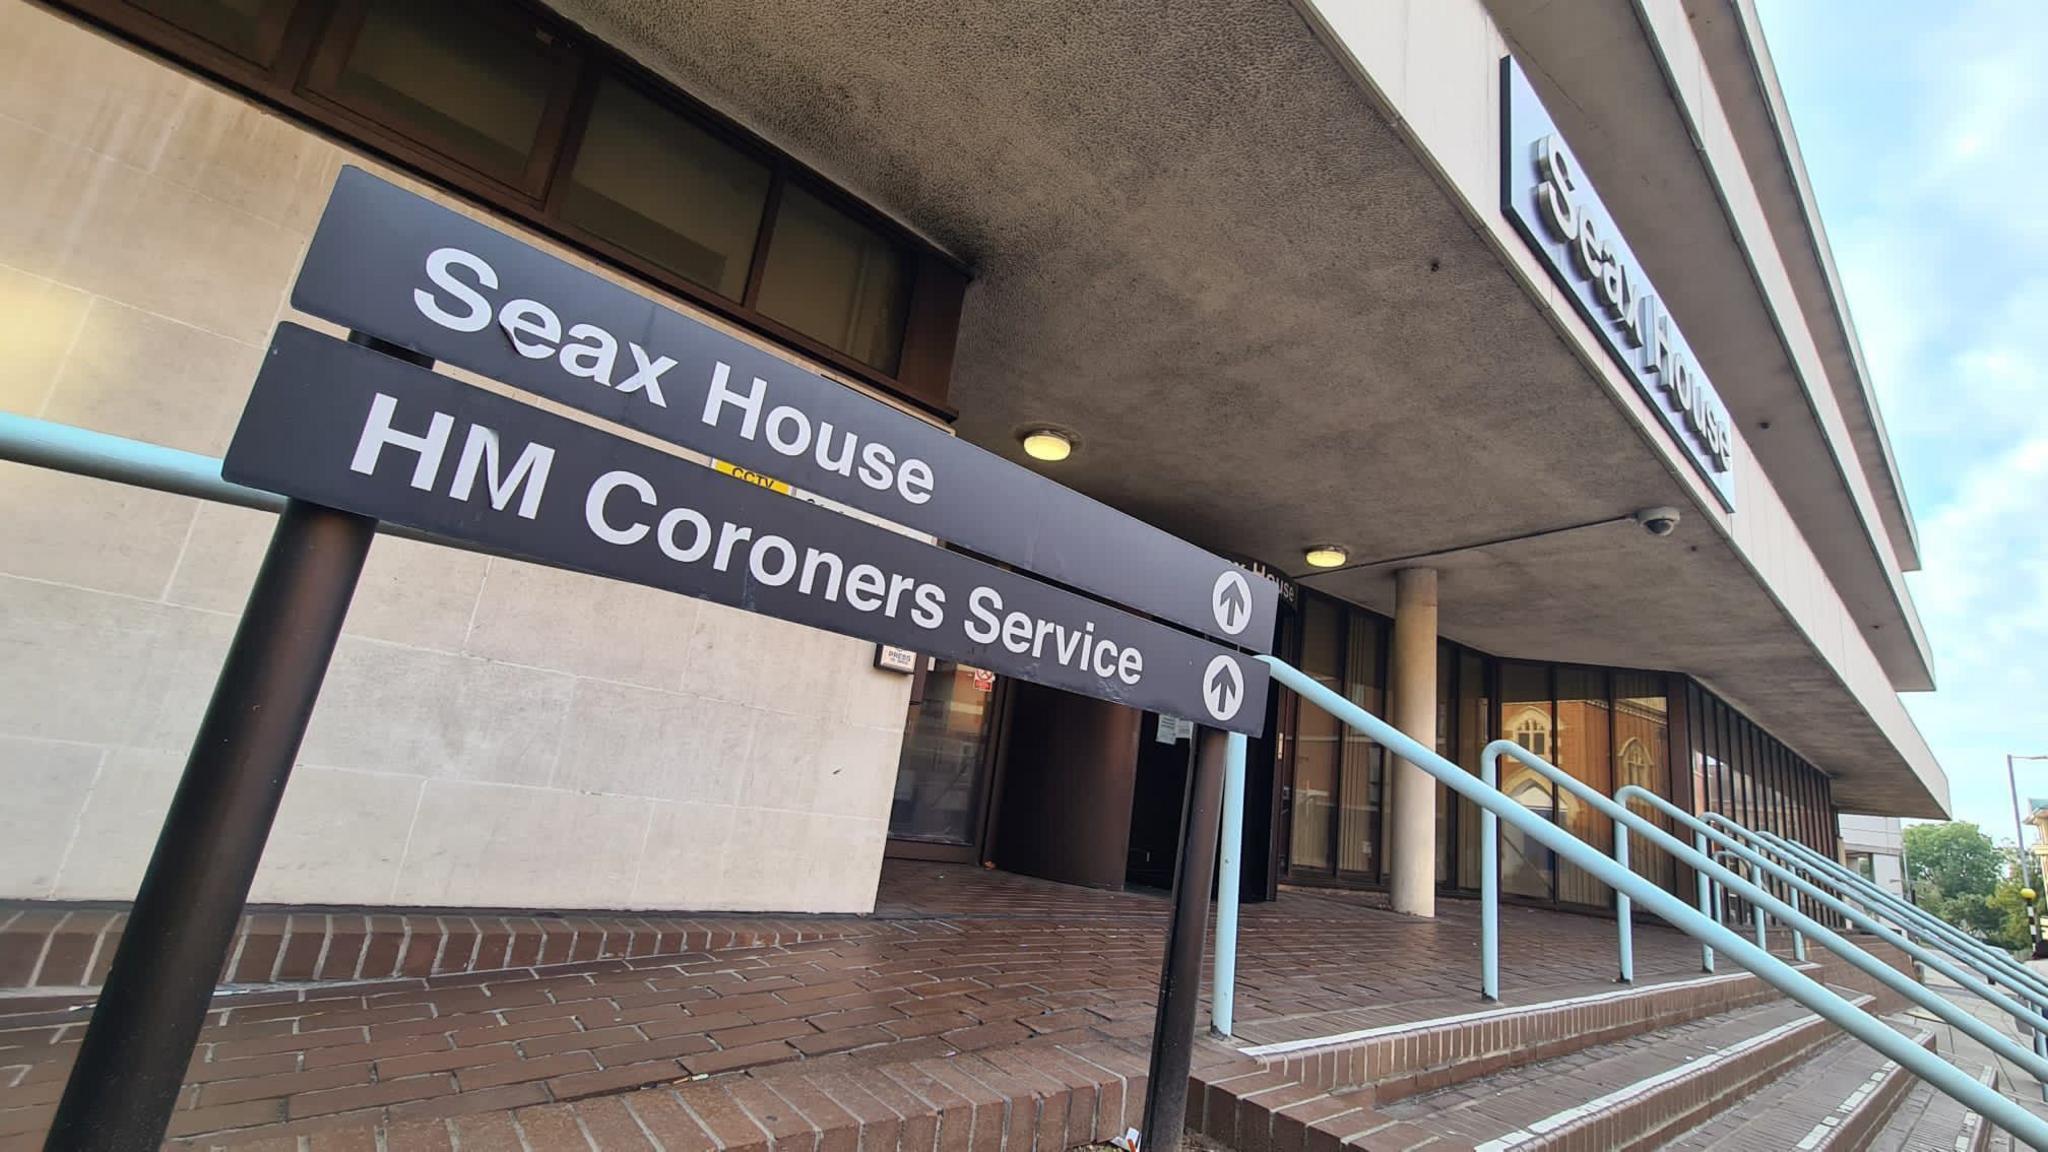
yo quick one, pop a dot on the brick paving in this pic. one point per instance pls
(965, 989)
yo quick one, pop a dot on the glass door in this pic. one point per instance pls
(943, 773)
(1337, 778)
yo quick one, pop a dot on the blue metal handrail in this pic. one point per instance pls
(1963, 1020)
(1869, 965)
(1937, 1072)
(103, 456)
(31, 441)
(1993, 962)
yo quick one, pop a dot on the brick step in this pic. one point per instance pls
(1628, 1094)
(1929, 1121)
(55, 948)
(1272, 1097)
(1838, 1101)
(1048, 1095)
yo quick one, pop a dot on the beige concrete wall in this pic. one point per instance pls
(491, 733)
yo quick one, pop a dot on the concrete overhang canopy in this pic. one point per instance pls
(1603, 76)
(1200, 244)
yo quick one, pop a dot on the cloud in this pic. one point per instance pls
(1922, 129)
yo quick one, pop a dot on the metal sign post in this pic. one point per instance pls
(176, 940)
(1180, 978)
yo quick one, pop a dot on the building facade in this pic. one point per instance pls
(1876, 847)
(1456, 328)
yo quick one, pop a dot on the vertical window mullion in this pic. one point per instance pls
(1556, 810)
(568, 142)
(752, 295)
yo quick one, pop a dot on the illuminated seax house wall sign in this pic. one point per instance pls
(1555, 208)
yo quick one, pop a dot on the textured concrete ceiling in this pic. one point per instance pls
(1198, 245)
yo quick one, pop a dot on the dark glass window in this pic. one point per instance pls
(513, 107)
(1361, 786)
(1641, 758)
(250, 29)
(658, 186)
(470, 79)
(1318, 739)
(835, 280)
(1446, 747)
(1475, 731)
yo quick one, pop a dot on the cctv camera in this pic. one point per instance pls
(1658, 521)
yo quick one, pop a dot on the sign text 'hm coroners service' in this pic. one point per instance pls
(352, 428)
(406, 270)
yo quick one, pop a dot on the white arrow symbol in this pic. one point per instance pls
(1222, 688)
(1231, 600)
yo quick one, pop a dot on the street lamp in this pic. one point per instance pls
(2020, 843)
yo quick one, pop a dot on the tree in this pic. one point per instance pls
(1944, 861)
(1959, 875)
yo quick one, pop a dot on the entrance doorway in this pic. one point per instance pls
(1164, 746)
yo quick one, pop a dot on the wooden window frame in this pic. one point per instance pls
(305, 51)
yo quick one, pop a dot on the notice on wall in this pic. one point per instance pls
(348, 427)
(406, 270)
(895, 659)
(1173, 729)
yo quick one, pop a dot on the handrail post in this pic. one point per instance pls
(1706, 886)
(1489, 885)
(1223, 996)
(1763, 938)
(1623, 917)
(1798, 937)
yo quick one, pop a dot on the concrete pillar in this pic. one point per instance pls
(1412, 855)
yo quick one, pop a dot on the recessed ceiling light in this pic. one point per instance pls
(1326, 556)
(1048, 444)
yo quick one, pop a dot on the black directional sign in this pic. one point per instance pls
(404, 269)
(351, 428)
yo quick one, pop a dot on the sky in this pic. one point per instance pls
(1925, 133)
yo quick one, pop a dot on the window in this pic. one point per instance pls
(1584, 731)
(835, 280)
(508, 104)
(1527, 868)
(474, 81)
(250, 29)
(653, 183)
(1336, 811)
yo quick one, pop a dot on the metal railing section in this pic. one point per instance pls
(1759, 897)
(1933, 1069)
(1993, 963)
(83, 452)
